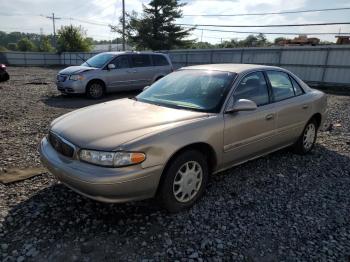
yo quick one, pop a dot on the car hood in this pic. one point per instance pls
(76, 70)
(108, 125)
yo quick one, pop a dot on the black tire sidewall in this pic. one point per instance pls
(166, 194)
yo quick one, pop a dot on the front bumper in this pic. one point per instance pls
(71, 87)
(111, 185)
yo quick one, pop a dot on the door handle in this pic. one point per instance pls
(269, 117)
(305, 106)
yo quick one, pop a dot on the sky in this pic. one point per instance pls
(30, 16)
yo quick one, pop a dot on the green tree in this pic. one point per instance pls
(228, 44)
(25, 45)
(73, 39)
(202, 45)
(3, 49)
(45, 45)
(279, 39)
(12, 46)
(156, 29)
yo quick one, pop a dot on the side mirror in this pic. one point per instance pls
(145, 88)
(242, 105)
(111, 66)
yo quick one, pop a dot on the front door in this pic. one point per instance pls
(250, 133)
(118, 79)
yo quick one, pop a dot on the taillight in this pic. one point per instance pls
(2, 66)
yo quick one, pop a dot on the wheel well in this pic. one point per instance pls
(157, 78)
(204, 148)
(97, 81)
(207, 151)
(318, 118)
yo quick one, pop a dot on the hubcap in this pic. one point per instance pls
(309, 136)
(96, 90)
(188, 181)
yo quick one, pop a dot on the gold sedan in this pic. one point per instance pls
(192, 123)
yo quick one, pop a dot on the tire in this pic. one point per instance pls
(190, 167)
(307, 140)
(95, 90)
(6, 77)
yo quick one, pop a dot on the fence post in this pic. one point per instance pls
(280, 56)
(45, 59)
(242, 51)
(325, 65)
(186, 59)
(211, 56)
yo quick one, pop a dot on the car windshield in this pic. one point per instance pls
(98, 60)
(200, 90)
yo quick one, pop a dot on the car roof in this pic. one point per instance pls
(133, 52)
(234, 68)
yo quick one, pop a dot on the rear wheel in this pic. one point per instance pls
(184, 181)
(95, 90)
(307, 140)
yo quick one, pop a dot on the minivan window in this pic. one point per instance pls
(98, 60)
(121, 62)
(282, 88)
(140, 60)
(159, 60)
(253, 87)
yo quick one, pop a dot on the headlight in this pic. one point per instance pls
(111, 159)
(76, 77)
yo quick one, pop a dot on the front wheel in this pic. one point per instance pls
(95, 90)
(184, 181)
(307, 140)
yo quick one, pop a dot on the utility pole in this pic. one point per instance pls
(53, 18)
(123, 25)
(202, 36)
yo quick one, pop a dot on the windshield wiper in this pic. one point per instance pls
(85, 61)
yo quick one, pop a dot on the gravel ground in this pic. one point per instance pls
(282, 207)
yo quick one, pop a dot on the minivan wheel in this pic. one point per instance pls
(307, 140)
(184, 181)
(95, 90)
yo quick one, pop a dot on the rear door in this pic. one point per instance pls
(141, 72)
(292, 106)
(250, 133)
(161, 65)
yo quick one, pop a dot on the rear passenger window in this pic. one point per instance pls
(159, 60)
(282, 88)
(253, 87)
(140, 60)
(297, 88)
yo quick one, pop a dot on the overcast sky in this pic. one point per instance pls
(29, 16)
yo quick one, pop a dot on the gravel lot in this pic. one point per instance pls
(282, 207)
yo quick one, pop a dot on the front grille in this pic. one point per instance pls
(61, 78)
(61, 146)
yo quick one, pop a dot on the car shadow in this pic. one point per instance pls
(62, 225)
(78, 101)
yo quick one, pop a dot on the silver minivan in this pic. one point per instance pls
(113, 71)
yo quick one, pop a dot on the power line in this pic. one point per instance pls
(274, 13)
(285, 25)
(267, 33)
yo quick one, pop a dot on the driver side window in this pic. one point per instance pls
(253, 87)
(121, 62)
